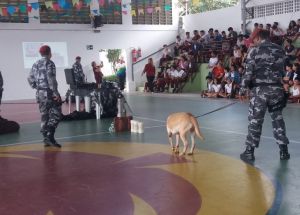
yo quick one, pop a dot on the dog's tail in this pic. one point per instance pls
(196, 127)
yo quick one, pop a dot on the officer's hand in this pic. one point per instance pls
(57, 98)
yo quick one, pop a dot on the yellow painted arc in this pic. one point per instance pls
(141, 207)
(17, 156)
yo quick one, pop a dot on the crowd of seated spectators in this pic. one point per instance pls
(176, 67)
(225, 53)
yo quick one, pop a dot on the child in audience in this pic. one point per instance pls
(295, 91)
(227, 89)
(288, 77)
(213, 61)
(209, 91)
(216, 86)
(296, 69)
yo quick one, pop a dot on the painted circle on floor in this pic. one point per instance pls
(128, 178)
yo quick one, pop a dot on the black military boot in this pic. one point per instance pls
(46, 140)
(248, 154)
(50, 140)
(284, 153)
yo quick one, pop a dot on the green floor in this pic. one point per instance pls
(224, 130)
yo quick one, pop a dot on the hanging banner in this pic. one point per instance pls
(74, 2)
(157, 9)
(62, 3)
(4, 11)
(150, 10)
(168, 7)
(23, 8)
(141, 11)
(124, 12)
(79, 5)
(117, 7)
(11, 9)
(87, 2)
(29, 8)
(56, 6)
(49, 4)
(35, 5)
(133, 13)
(101, 3)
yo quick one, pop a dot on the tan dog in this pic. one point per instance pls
(180, 124)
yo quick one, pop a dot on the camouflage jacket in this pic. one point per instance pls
(264, 65)
(78, 73)
(1, 81)
(43, 76)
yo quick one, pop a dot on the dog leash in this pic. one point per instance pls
(223, 107)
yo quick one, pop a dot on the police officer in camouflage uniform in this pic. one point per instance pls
(264, 71)
(43, 78)
(1, 87)
(78, 72)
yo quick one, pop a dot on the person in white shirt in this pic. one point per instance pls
(216, 88)
(228, 89)
(178, 45)
(295, 91)
(209, 91)
(213, 61)
(188, 37)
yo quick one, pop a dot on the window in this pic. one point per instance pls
(270, 10)
(288, 6)
(52, 13)
(260, 11)
(250, 13)
(279, 8)
(155, 12)
(13, 11)
(297, 5)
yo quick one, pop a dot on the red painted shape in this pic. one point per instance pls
(82, 183)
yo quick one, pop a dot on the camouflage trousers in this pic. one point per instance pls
(51, 113)
(261, 99)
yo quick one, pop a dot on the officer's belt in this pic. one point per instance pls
(42, 88)
(267, 84)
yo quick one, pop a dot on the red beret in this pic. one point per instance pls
(45, 50)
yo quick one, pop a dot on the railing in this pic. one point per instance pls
(137, 67)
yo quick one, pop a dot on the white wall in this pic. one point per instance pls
(125, 36)
(218, 19)
(231, 17)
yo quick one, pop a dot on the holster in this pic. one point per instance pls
(279, 105)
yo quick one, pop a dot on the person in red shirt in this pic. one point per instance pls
(218, 72)
(150, 73)
(97, 72)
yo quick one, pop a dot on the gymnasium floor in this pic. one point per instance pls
(99, 172)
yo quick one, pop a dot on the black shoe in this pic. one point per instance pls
(49, 140)
(248, 154)
(284, 153)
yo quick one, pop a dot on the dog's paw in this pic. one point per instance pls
(190, 153)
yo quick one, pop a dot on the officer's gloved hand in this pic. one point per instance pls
(57, 100)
